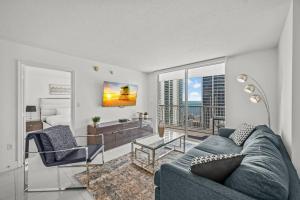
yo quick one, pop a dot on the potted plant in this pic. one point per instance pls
(145, 115)
(96, 120)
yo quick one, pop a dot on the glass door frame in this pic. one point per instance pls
(186, 69)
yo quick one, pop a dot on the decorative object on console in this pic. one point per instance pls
(96, 120)
(140, 114)
(216, 167)
(123, 120)
(30, 109)
(59, 89)
(161, 129)
(240, 135)
(145, 115)
(251, 89)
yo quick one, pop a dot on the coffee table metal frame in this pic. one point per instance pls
(150, 152)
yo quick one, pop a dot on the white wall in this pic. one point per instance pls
(152, 101)
(285, 65)
(37, 82)
(289, 93)
(296, 85)
(261, 65)
(88, 91)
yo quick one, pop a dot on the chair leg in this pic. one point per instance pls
(26, 174)
(59, 188)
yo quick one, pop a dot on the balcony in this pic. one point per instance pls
(200, 120)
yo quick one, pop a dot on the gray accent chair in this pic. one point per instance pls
(77, 154)
(266, 173)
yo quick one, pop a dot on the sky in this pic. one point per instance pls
(195, 89)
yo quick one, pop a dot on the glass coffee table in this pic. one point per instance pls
(144, 151)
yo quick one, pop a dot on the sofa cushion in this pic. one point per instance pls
(186, 160)
(219, 145)
(183, 162)
(216, 167)
(263, 170)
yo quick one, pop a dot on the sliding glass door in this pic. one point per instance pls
(193, 100)
(171, 108)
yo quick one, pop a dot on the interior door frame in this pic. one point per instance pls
(21, 121)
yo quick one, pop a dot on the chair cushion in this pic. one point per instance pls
(216, 167)
(219, 145)
(263, 173)
(240, 135)
(46, 144)
(78, 156)
(61, 138)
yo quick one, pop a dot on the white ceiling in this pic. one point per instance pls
(146, 35)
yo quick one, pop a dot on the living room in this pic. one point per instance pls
(154, 89)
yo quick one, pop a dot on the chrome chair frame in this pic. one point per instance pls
(59, 188)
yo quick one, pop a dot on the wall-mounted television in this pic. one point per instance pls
(119, 94)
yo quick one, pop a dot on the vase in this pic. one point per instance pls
(161, 129)
(95, 124)
(140, 115)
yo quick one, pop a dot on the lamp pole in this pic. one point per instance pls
(244, 78)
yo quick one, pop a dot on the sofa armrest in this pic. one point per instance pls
(226, 132)
(178, 184)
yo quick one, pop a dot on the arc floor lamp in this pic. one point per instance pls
(257, 94)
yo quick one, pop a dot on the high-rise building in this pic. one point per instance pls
(171, 101)
(213, 98)
(172, 105)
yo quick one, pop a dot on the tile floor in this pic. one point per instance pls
(11, 183)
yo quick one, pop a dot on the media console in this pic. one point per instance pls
(118, 133)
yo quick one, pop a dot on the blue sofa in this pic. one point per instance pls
(266, 173)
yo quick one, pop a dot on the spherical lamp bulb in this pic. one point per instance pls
(250, 88)
(255, 98)
(242, 78)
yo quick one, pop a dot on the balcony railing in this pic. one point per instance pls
(199, 117)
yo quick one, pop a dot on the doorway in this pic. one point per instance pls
(45, 99)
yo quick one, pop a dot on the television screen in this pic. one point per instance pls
(119, 94)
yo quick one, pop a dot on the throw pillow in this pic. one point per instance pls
(61, 138)
(240, 135)
(216, 167)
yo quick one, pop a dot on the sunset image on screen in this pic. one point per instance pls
(119, 94)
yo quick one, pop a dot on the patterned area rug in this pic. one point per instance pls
(119, 179)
